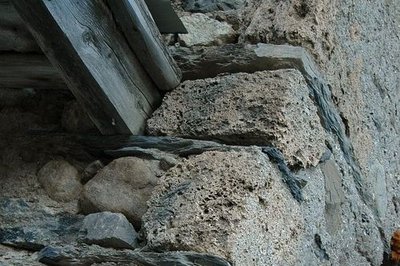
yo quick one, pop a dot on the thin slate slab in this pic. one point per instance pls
(88, 255)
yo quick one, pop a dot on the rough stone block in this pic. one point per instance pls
(109, 230)
(232, 204)
(122, 186)
(263, 108)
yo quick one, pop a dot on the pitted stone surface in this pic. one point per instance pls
(233, 204)
(263, 108)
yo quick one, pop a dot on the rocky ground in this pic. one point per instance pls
(268, 155)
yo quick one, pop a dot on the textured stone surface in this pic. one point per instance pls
(263, 108)
(60, 180)
(334, 196)
(356, 43)
(109, 230)
(95, 255)
(11, 256)
(203, 30)
(212, 5)
(32, 226)
(233, 204)
(122, 186)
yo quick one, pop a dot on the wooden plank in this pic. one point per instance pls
(140, 30)
(14, 36)
(19, 70)
(82, 40)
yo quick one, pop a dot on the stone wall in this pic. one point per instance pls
(350, 206)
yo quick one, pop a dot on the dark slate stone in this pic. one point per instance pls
(88, 255)
(294, 183)
(204, 6)
(109, 229)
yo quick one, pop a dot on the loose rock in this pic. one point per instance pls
(60, 180)
(122, 186)
(109, 230)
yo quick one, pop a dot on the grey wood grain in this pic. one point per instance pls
(14, 36)
(81, 39)
(143, 36)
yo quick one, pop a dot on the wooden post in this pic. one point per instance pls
(82, 40)
(145, 39)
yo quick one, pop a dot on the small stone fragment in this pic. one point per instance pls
(60, 180)
(109, 230)
(205, 31)
(91, 170)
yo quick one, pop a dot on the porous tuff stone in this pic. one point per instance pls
(263, 108)
(232, 204)
(122, 186)
(60, 180)
(205, 31)
(109, 230)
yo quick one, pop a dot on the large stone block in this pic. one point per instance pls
(263, 108)
(232, 204)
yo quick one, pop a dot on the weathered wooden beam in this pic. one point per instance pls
(14, 36)
(82, 40)
(18, 70)
(143, 36)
